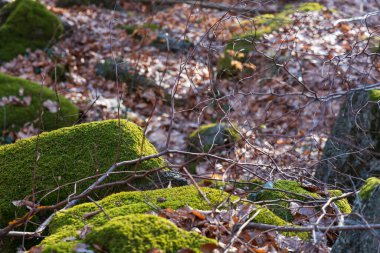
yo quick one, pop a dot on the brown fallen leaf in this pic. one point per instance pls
(198, 214)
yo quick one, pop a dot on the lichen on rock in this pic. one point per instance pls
(26, 24)
(32, 97)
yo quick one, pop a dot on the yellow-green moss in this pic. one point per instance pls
(342, 204)
(374, 95)
(67, 155)
(26, 24)
(366, 190)
(140, 233)
(268, 217)
(18, 115)
(241, 44)
(117, 206)
(66, 223)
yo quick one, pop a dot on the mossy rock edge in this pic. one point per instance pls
(17, 115)
(288, 187)
(121, 207)
(26, 24)
(65, 156)
(210, 136)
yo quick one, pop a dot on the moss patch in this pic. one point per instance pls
(125, 73)
(117, 206)
(366, 190)
(67, 155)
(18, 115)
(281, 208)
(26, 24)
(235, 57)
(374, 95)
(342, 204)
(140, 233)
(211, 136)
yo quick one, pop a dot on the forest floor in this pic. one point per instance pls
(276, 108)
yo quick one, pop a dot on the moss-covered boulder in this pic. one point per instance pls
(285, 190)
(22, 101)
(211, 136)
(235, 60)
(351, 154)
(122, 209)
(366, 211)
(64, 156)
(26, 24)
(115, 234)
(125, 73)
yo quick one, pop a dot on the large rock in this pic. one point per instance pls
(64, 156)
(130, 229)
(366, 210)
(26, 24)
(127, 211)
(354, 144)
(21, 101)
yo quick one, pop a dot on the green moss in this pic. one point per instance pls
(125, 73)
(281, 207)
(26, 24)
(268, 217)
(368, 187)
(18, 115)
(67, 155)
(140, 233)
(241, 44)
(374, 95)
(342, 204)
(211, 136)
(117, 206)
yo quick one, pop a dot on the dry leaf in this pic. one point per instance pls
(52, 106)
